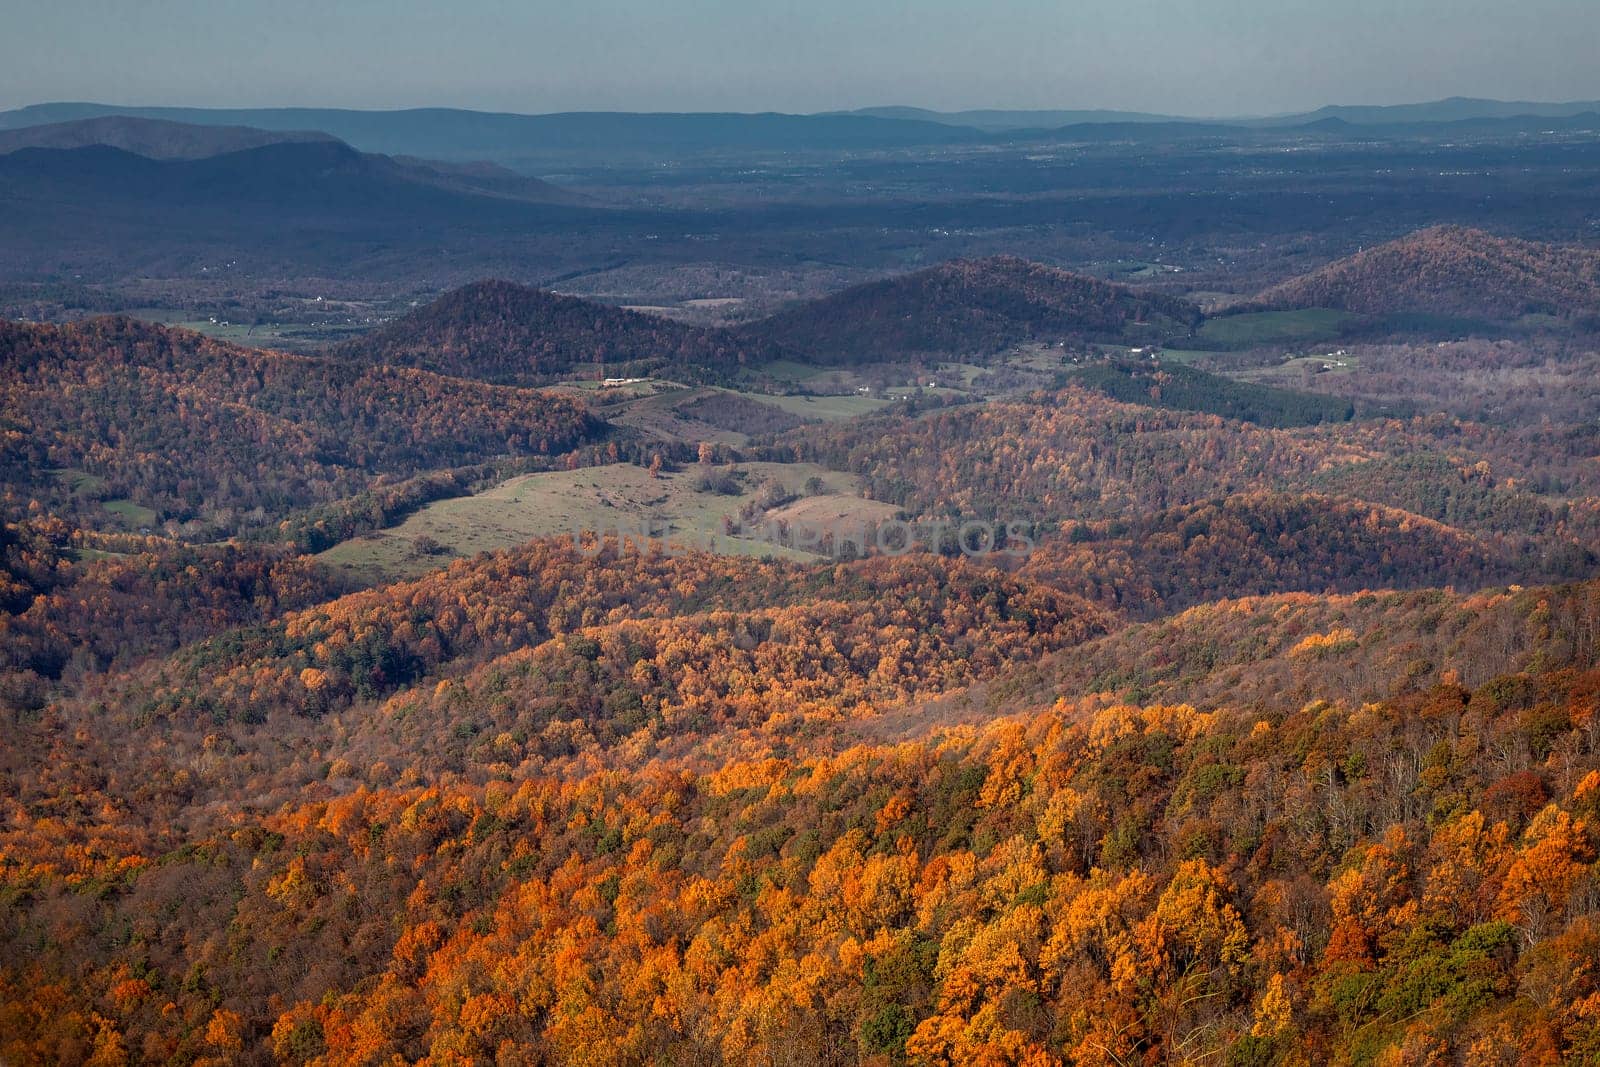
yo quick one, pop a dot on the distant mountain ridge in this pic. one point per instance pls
(522, 140)
(458, 134)
(151, 138)
(209, 146)
(1451, 109)
(100, 203)
(1452, 270)
(997, 119)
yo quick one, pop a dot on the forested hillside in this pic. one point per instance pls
(1181, 388)
(1452, 270)
(80, 602)
(1095, 881)
(513, 335)
(188, 428)
(1267, 542)
(970, 307)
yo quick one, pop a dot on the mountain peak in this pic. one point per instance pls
(501, 331)
(1452, 270)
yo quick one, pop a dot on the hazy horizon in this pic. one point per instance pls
(864, 106)
(1225, 58)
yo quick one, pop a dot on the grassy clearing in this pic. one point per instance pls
(961, 375)
(789, 370)
(828, 408)
(1298, 369)
(834, 510)
(288, 336)
(136, 516)
(556, 503)
(599, 393)
(1276, 327)
(663, 422)
(88, 555)
(659, 415)
(79, 483)
(1184, 356)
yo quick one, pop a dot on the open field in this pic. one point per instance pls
(1276, 327)
(790, 370)
(829, 408)
(136, 516)
(288, 336)
(885, 379)
(594, 498)
(834, 510)
(82, 483)
(1295, 370)
(79, 483)
(1184, 355)
(658, 413)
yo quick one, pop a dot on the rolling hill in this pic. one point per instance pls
(1265, 542)
(169, 424)
(969, 307)
(1181, 388)
(1451, 270)
(500, 332)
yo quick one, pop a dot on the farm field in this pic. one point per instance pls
(833, 511)
(287, 336)
(659, 417)
(828, 408)
(1295, 369)
(137, 516)
(1276, 327)
(556, 503)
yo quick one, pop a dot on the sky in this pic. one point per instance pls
(1188, 57)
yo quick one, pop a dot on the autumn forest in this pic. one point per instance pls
(1230, 693)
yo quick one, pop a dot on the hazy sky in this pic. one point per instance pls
(1179, 56)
